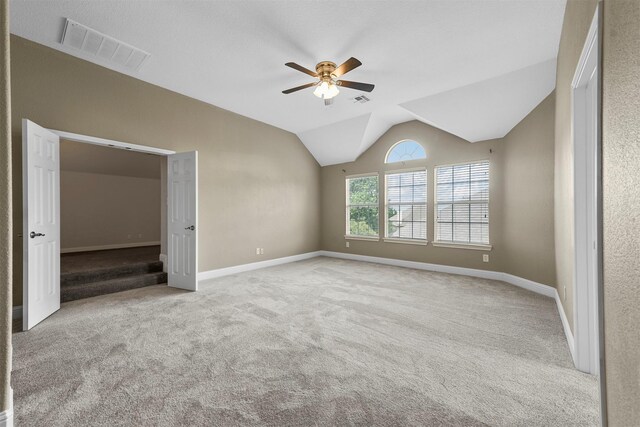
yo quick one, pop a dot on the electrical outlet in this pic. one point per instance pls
(139, 235)
(485, 258)
(347, 244)
(257, 251)
(128, 236)
(261, 251)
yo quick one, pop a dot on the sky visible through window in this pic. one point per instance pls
(406, 150)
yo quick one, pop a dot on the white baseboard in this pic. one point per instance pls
(108, 247)
(484, 274)
(227, 271)
(566, 327)
(17, 312)
(6, 417)
(529, 285)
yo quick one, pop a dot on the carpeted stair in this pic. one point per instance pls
(91, 283)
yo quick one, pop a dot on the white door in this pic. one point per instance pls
(41, 223)
(592, 217)
(182, 215)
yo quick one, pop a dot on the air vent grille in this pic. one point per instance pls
(361, 99)
(94, 43)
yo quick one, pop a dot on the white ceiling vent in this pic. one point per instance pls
(361, 99)
(92, 42)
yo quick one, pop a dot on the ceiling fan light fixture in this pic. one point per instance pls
(321, 90)
(326, 90)
(332, 91)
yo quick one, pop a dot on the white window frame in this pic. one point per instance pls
(388, 239)
(347, 212)
(452, 244)
(386, 156)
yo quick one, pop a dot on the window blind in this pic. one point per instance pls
(406, 205)
(462, 203)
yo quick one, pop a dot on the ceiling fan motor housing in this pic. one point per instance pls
(325, 70)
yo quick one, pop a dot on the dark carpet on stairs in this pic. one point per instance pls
(89, 274)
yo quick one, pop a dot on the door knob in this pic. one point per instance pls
(34, 234)
(193, 227)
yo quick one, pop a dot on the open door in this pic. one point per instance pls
(182, 219)
(41, 223)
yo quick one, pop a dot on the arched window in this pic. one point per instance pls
(405, 150)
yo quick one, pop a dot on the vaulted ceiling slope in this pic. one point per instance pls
(473, 68)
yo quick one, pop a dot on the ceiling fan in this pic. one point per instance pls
(327, 74)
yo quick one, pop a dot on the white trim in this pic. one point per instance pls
(386, 156)
(565, 326)
(111, 143)
(406, 241)
(527, 284)
(484, 274)
(462, 246)
(468, 162)
(6, 417)
(367, 238)
(398, 171)
(17, 312)
(108, 247)
(363, 175)
(227, 271)
(586, 171)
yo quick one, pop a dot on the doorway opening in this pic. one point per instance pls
(42, 217)
(111, 220)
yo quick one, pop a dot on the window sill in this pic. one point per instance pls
(462, 246)
(367, 238)
(407, 241)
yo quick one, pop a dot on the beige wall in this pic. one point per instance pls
(527, 219)
(577, 19)
(108, 210)
(108, 196)
(441, 148)
(5, 211)
(621, 207)
(530, 151)
(259, 186)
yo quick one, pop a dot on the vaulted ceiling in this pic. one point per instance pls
(474, 68)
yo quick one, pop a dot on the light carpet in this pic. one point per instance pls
(316, 342)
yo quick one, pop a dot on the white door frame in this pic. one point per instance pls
(121, 145)
(586, 123)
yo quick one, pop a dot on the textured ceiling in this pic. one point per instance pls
(474, 68)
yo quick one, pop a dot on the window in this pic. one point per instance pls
(406, 205)
(362, 206)
(405, 150)
(462, 203)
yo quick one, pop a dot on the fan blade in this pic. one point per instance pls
(295, 89)
(301, 68)
(348, 65)
(356, 85)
